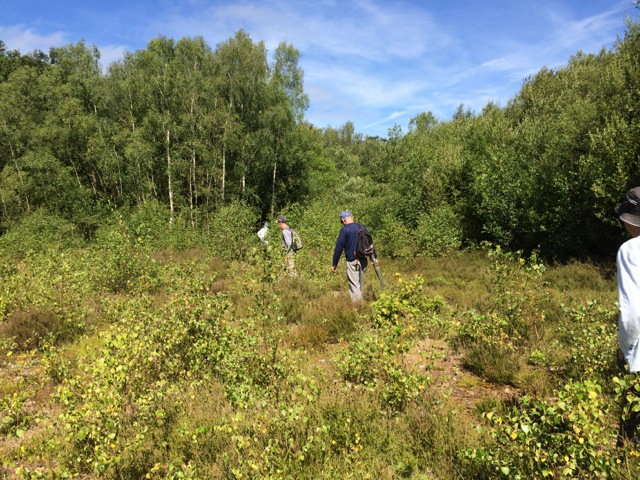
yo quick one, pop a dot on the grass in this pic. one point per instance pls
(292, 379)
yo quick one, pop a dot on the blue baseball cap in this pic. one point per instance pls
(346, 214)
(282, 220)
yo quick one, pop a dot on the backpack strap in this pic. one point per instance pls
(355, 252)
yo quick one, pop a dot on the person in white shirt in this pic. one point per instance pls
(628, 263)
(263, 232)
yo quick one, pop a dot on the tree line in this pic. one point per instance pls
(544, 172)
(177, 122)
(196, 129)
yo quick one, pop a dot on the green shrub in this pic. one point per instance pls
(15, 415)
(408, 306)
(492, 330)
(38, 233)
(232, 233)
(120, 263)
(566, 437)
(536, 357)
(397, 238)
(438, 231)
(149, 224)
(376, 362)
(627, 389)
(125, 396)
(588, 334)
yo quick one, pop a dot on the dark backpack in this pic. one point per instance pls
(364, 247)
(296, 240)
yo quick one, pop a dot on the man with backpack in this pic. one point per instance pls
(347, 242)
(291, 244)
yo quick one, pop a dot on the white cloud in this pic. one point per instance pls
(26, 40)
(110, 54)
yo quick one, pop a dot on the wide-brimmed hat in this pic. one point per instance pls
(629, 209)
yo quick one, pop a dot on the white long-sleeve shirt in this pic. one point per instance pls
(262, 234)
(628, 261)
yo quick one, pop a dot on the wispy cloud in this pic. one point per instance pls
(25, 39)
(393, 116)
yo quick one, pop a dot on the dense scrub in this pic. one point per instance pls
(119, 360)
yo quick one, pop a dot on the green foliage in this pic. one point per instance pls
(439, 231)
(490, 330)
(426, 167)
(121, 263)
(42, 182)
(318, 224)
(397, 238)
(566, 438)
(44, 301)
(203, 368)
(409, 307)
(587, 333)
(39, 232)
(149, 223)
(122, 400)
(75, 139)
(627, 389)
(231, 231)
(376, 363)
(15, 417)
(497, 337)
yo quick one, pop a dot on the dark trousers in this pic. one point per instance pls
(628, 428)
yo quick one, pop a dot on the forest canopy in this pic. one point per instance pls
(185, 135)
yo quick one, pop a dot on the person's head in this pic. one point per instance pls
(282, 222)
(629, 211)
(346, 217)
(266, 224)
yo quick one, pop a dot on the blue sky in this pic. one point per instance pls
(375, 63)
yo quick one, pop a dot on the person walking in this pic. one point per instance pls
(287, 244)
(347, 242)
(263, 232)
(628, 276)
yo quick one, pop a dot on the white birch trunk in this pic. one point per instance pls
(169, 183)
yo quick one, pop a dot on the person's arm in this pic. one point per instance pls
(337, 251)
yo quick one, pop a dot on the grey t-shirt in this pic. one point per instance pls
(287, 239)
